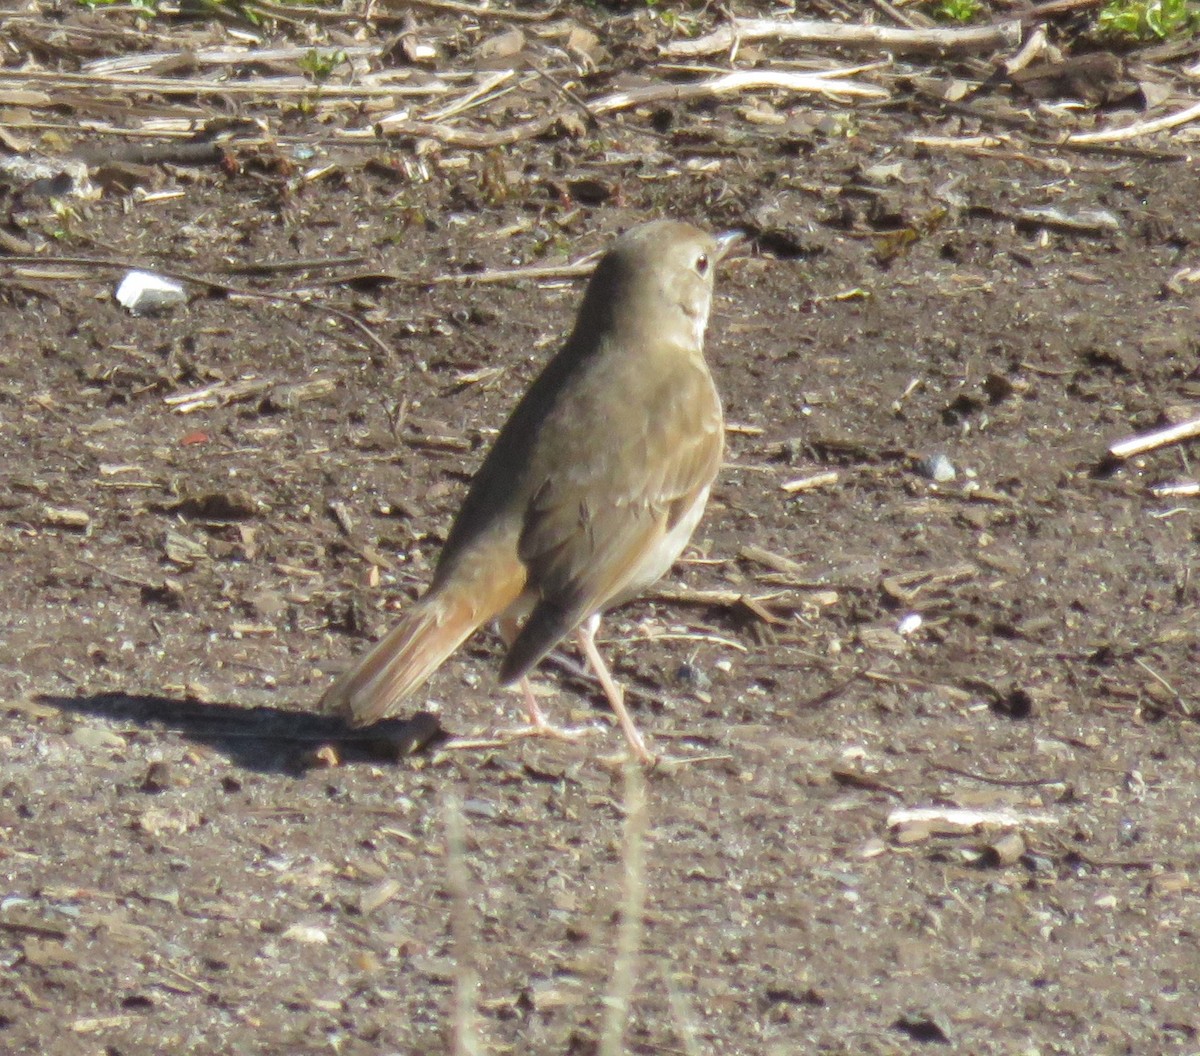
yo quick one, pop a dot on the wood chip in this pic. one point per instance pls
(218, 395)
(954, 821)
(378, 895)
(1171, 883)
(817, 480)
(857, 779)
(65, 517)
(1004, 851)
(96, 1024)
(769, 559)
(307, 934)
(1179, 490)
(905, 586)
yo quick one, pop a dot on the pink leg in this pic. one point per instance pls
(539, 725)
(585, 635)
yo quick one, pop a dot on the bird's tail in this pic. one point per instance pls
(546, 626)
(399, 664)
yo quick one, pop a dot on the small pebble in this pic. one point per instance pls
(142, 292)
(938, 468)
(688, 674)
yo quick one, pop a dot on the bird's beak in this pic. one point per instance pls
(728, 241)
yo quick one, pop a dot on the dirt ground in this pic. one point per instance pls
(182, 868)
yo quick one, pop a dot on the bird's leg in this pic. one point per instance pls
(538, 724)
(585, 635)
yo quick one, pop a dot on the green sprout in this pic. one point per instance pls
(67, 217)
(956, 10)
(320, 64)
(1141, 20)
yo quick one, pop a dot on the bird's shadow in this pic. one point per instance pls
(264, 739)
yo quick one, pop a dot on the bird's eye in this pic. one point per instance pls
(702, 264)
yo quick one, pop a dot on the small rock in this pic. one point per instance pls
(157, 777)
(176, 821)
(96, 737)
(143, 293)
(937, 468)
(691, 676)
(307, 934)
(921, 1027)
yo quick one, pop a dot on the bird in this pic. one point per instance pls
(590, 492)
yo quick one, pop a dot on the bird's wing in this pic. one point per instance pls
(608, 498)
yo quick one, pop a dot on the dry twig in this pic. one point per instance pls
(60, 83)
(1138, 445)
(1180, 489)
(1033, 48)
(580, 269)
(942, 41)
(478, 11)
(827, 82)
(817, 480)
(1138, 128)
(1002, 782)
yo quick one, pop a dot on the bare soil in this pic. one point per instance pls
(183, 868)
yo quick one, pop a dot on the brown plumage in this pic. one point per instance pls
(591, 491)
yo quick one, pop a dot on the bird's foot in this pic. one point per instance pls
(660, 764)
(540, 727)
(506, 735)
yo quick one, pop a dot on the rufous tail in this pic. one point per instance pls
(398, 664)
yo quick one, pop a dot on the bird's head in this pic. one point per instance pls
(655, 283)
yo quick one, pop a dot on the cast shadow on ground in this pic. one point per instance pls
(268, 740)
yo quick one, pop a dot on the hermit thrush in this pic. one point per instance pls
(591, 490)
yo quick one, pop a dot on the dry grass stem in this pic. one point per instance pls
(633, 904)
(466, 976)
